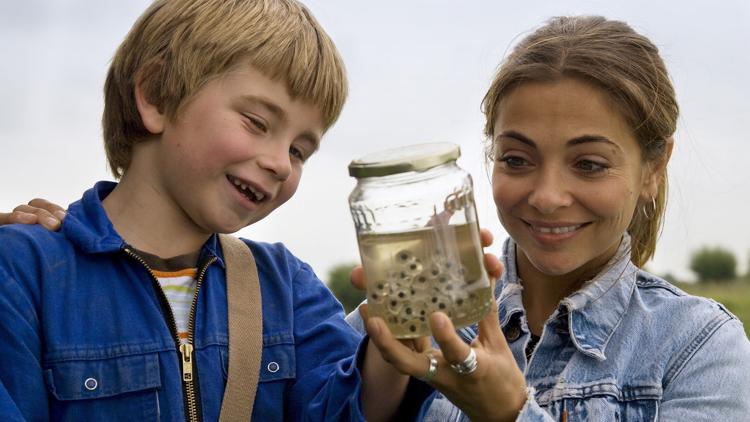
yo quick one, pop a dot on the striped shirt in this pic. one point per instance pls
(177, 278)
(179, 288)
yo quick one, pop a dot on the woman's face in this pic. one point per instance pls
(567, 177)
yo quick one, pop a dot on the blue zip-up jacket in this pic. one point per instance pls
(83, 332)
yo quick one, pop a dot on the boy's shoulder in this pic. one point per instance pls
(278, 266)
(24, 243)
(275, 256)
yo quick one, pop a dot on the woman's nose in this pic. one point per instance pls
(550, 192)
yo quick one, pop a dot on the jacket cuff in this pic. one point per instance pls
(531, 411)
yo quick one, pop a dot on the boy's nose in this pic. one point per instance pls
(277, 161)
(550, 193)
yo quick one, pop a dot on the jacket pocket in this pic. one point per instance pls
(602, 401)
(278, 360)
(124, 387)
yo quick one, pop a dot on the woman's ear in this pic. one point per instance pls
(153, 119)
(655, 172)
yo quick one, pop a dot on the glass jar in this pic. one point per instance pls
(418, 236)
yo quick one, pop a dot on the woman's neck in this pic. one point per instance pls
(542, 292)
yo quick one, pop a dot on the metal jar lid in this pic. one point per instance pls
(418, 157)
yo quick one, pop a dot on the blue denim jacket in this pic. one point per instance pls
(83, 337)
(628, 346)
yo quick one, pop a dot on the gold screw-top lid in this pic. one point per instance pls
(418, 157)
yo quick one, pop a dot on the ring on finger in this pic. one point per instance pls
(468, 365)
(431, 370)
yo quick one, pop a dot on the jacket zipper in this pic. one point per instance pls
(189, 393)
(189, 375)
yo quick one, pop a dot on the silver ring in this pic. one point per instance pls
(431, 371)
(468, 365)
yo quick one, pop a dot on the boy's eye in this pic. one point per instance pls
(257, 123)
(297, 153)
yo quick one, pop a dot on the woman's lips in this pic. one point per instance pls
(553, 233)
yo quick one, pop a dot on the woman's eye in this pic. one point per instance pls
(591, 167)
(513, 162)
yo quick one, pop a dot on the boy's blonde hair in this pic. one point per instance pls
(177, 46)
(627, 67)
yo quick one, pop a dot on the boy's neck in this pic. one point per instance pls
(150, 221)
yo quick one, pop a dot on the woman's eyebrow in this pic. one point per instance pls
(517, 136)
(578, 140)
(583, 139)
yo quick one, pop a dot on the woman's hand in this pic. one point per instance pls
(37, 211)
(496, 390)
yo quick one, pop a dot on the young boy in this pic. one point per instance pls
(211, 109)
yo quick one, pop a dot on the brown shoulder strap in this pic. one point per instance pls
(245, 330)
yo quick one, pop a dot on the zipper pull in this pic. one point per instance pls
(186, 350)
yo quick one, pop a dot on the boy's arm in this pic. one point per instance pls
(384, 388)
(23, 395)
(329, 384)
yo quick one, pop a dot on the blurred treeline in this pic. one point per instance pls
(715, 269)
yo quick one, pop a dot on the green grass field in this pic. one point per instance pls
(735, 295)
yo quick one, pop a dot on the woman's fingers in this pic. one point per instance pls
(454, 350)
(16, 217)
(38, 211)
(53, 209)
(490, 333)
(357, 277)
(493, 266)
(485, 237)
(403, 358)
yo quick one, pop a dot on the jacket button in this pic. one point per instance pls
(513, 333)
(273, 367)
(90, 384)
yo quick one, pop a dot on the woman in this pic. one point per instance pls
(580, 119)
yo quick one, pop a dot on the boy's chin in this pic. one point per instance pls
(233, 225)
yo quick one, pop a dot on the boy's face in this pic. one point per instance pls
(235, 151)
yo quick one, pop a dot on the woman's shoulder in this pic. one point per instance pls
(683, 323)
(664, 298)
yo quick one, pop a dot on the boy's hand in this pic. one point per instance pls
(37, 211)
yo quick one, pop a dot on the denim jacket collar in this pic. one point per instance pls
(89, 228)
(594, 311)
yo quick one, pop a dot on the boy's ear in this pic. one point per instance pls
(656, 172)
(153, 119)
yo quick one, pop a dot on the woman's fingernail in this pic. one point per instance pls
(59, 214)
(51, 222)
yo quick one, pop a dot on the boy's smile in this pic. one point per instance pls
(246, 188)
(233, 153)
